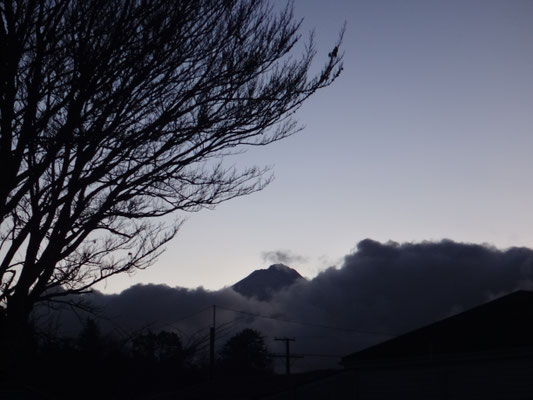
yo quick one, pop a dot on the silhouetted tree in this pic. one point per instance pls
(115, 113)
(169, 347)
(246, 354)
(162, 347)
(90, 338)
(160, 359)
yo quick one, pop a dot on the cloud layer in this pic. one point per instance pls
(380, 290)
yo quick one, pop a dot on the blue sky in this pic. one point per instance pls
(428, 134)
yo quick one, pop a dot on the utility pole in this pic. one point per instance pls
(212, 346)
(287, 355)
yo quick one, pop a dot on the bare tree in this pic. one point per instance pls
(116, 113)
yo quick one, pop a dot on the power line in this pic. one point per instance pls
(165, 324)
(321, 355)
(358, 331)
(288, 356)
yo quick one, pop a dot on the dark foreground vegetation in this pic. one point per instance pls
(145, 365)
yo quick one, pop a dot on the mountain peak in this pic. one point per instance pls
(263, 283)
(280, 267)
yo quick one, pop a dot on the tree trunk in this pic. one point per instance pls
(16, 341)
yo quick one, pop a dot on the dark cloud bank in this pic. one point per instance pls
(380, 290)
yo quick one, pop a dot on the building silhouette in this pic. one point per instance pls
(485, 352)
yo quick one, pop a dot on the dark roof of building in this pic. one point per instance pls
(502, 324)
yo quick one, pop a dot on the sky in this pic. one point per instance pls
(426, 135)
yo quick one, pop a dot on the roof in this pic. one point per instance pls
(502, 324)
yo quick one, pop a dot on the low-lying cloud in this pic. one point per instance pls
(380, 290)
